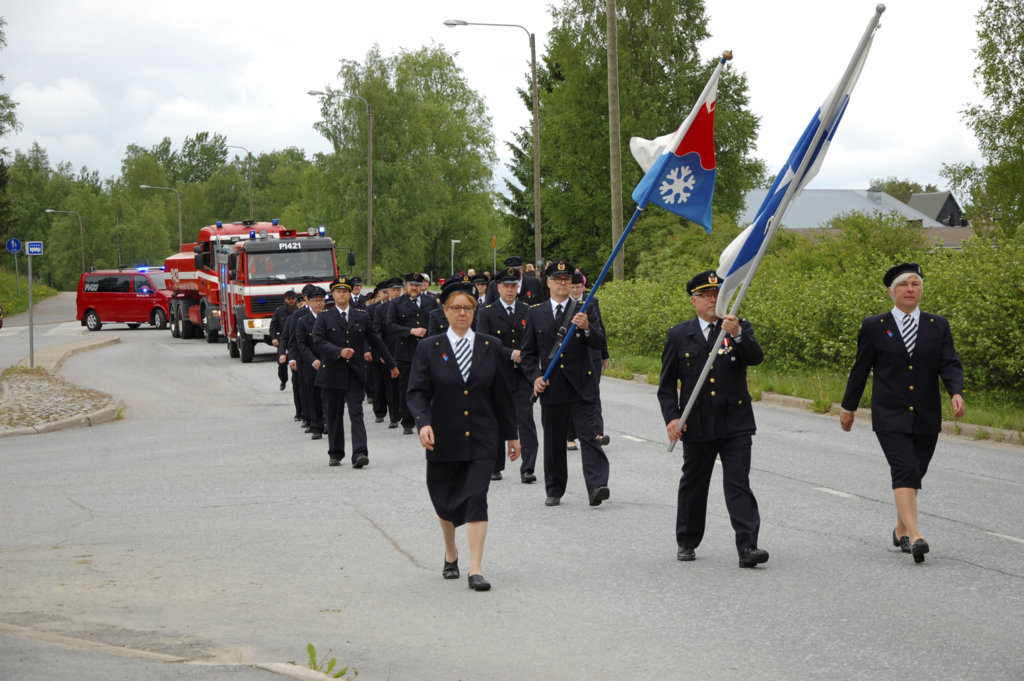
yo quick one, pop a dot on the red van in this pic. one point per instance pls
(131, 297)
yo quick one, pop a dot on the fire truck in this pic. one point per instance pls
(229, 282)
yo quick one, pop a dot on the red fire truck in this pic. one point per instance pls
(229, 282)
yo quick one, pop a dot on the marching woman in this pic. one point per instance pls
(460, 397)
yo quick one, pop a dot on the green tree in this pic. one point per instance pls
(996, 190)
(902, 189)
(8, 116)
(433, 152)
(660, 77)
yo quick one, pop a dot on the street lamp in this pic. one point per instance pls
(181, 241)
(369, 177)
(454, 241)
(452, 23)
(81, 229)
(248, 158)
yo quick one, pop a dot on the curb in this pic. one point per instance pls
(53, 358)
(958, 429)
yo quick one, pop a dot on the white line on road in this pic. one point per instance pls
(1006, 536)
(836, 492)
(634, 439)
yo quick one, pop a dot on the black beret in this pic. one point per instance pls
(509, 275)
(705, 280)
(457, 283)
(559, 268)
(513, 261)
(902, 268)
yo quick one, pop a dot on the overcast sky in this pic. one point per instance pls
(92, 76)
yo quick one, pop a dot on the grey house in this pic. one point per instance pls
(939, 206)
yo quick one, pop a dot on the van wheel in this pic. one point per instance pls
(159, 319)
(92, 321)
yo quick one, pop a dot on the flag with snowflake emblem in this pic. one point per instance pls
(680, 167)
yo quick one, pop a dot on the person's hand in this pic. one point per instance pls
(513, 450)
(846, 420)
(539, 385)
(604, 365)
(731, 324)
(281, 359)
(346, 353)
(316, 365)
(516, 356)
(275, 343)
(293, 365)
(958, 406)
(581, 321)
(418, 331)
(368, 356)
(394, 372)
(427, 437)
(672, 428)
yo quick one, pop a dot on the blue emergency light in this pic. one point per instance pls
(274, 222)
(322, 230)
(252, 233)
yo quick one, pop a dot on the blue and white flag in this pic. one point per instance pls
(740, 258)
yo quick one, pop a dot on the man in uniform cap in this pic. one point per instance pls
(721, 423)
(342, 337)
(906, 351)
(505, 319)
(480, 281)
(598, 356)
(571, 393)
(407, 324)
(277, 322)
(308, 362)
(358, 299)
(528, 289)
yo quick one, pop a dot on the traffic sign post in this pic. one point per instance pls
(13, 246)
(32, 248)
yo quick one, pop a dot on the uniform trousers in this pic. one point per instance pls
(335, 401)
(312, 401)
(599, 415)
(297, 394)
(391, 394)
(908, 455)
(556, 419)
(522, 391)
(377, 387)
(698, 465)
(403, 385)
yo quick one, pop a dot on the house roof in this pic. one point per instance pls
(930, 203)
(815, 207)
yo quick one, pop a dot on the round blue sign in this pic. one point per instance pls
(13, 245)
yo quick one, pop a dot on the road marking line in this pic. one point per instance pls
(1006, 536)
(634, 439)
(836, 492)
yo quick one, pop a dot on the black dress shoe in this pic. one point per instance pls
(334, 462)
(919, 548)
(296, 418)
(307, 429)
(360, 461)
(552, 501)
(393, 424)
(528, 477)
(451, 570)
(685, 554)
(599, 495)
(603, 440)
(407, 430)
(495, 475)
(751, 556)
(316, 436)
(284, 384)
(903, 542)
(379, 419)
(478, 583)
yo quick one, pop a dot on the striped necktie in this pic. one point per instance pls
(909, 333)
(464, 356)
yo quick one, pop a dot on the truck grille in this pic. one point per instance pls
(266, 304)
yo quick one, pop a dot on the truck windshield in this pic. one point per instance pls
(291, 266)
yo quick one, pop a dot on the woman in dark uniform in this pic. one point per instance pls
(460, 397)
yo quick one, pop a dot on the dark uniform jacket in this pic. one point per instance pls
(291, 336)
(509, 329)
(331, 335)
(470, 420)
(402, 315)
(723, 406)
(305, 351)
(277, 323)
(904, 391)
(574, 376)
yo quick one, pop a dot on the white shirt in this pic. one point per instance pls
(454, 337)
(899, 314)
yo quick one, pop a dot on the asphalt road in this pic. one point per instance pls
(205, 525)
(53, 323)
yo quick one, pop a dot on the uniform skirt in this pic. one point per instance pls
(458, 489)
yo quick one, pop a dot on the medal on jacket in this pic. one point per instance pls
(726, 346)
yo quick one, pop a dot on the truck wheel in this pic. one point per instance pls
(246, 347)
(211, 335)
(186, 329)
(232, 349)
(134, 325)
(92, 321)
(159, 319)
(175, 332)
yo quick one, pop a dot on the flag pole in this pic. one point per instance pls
(712, 82)
(835, 107)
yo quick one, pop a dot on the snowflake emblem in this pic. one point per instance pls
(678, 185)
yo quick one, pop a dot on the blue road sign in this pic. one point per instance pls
(34, 247)
(13, 245)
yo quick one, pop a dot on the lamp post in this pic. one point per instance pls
(248, 158)
(454, 241)
(81, 229)
(452, 23)
(369, 177)
(176, 194)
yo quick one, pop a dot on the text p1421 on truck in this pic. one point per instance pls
(229, 282)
